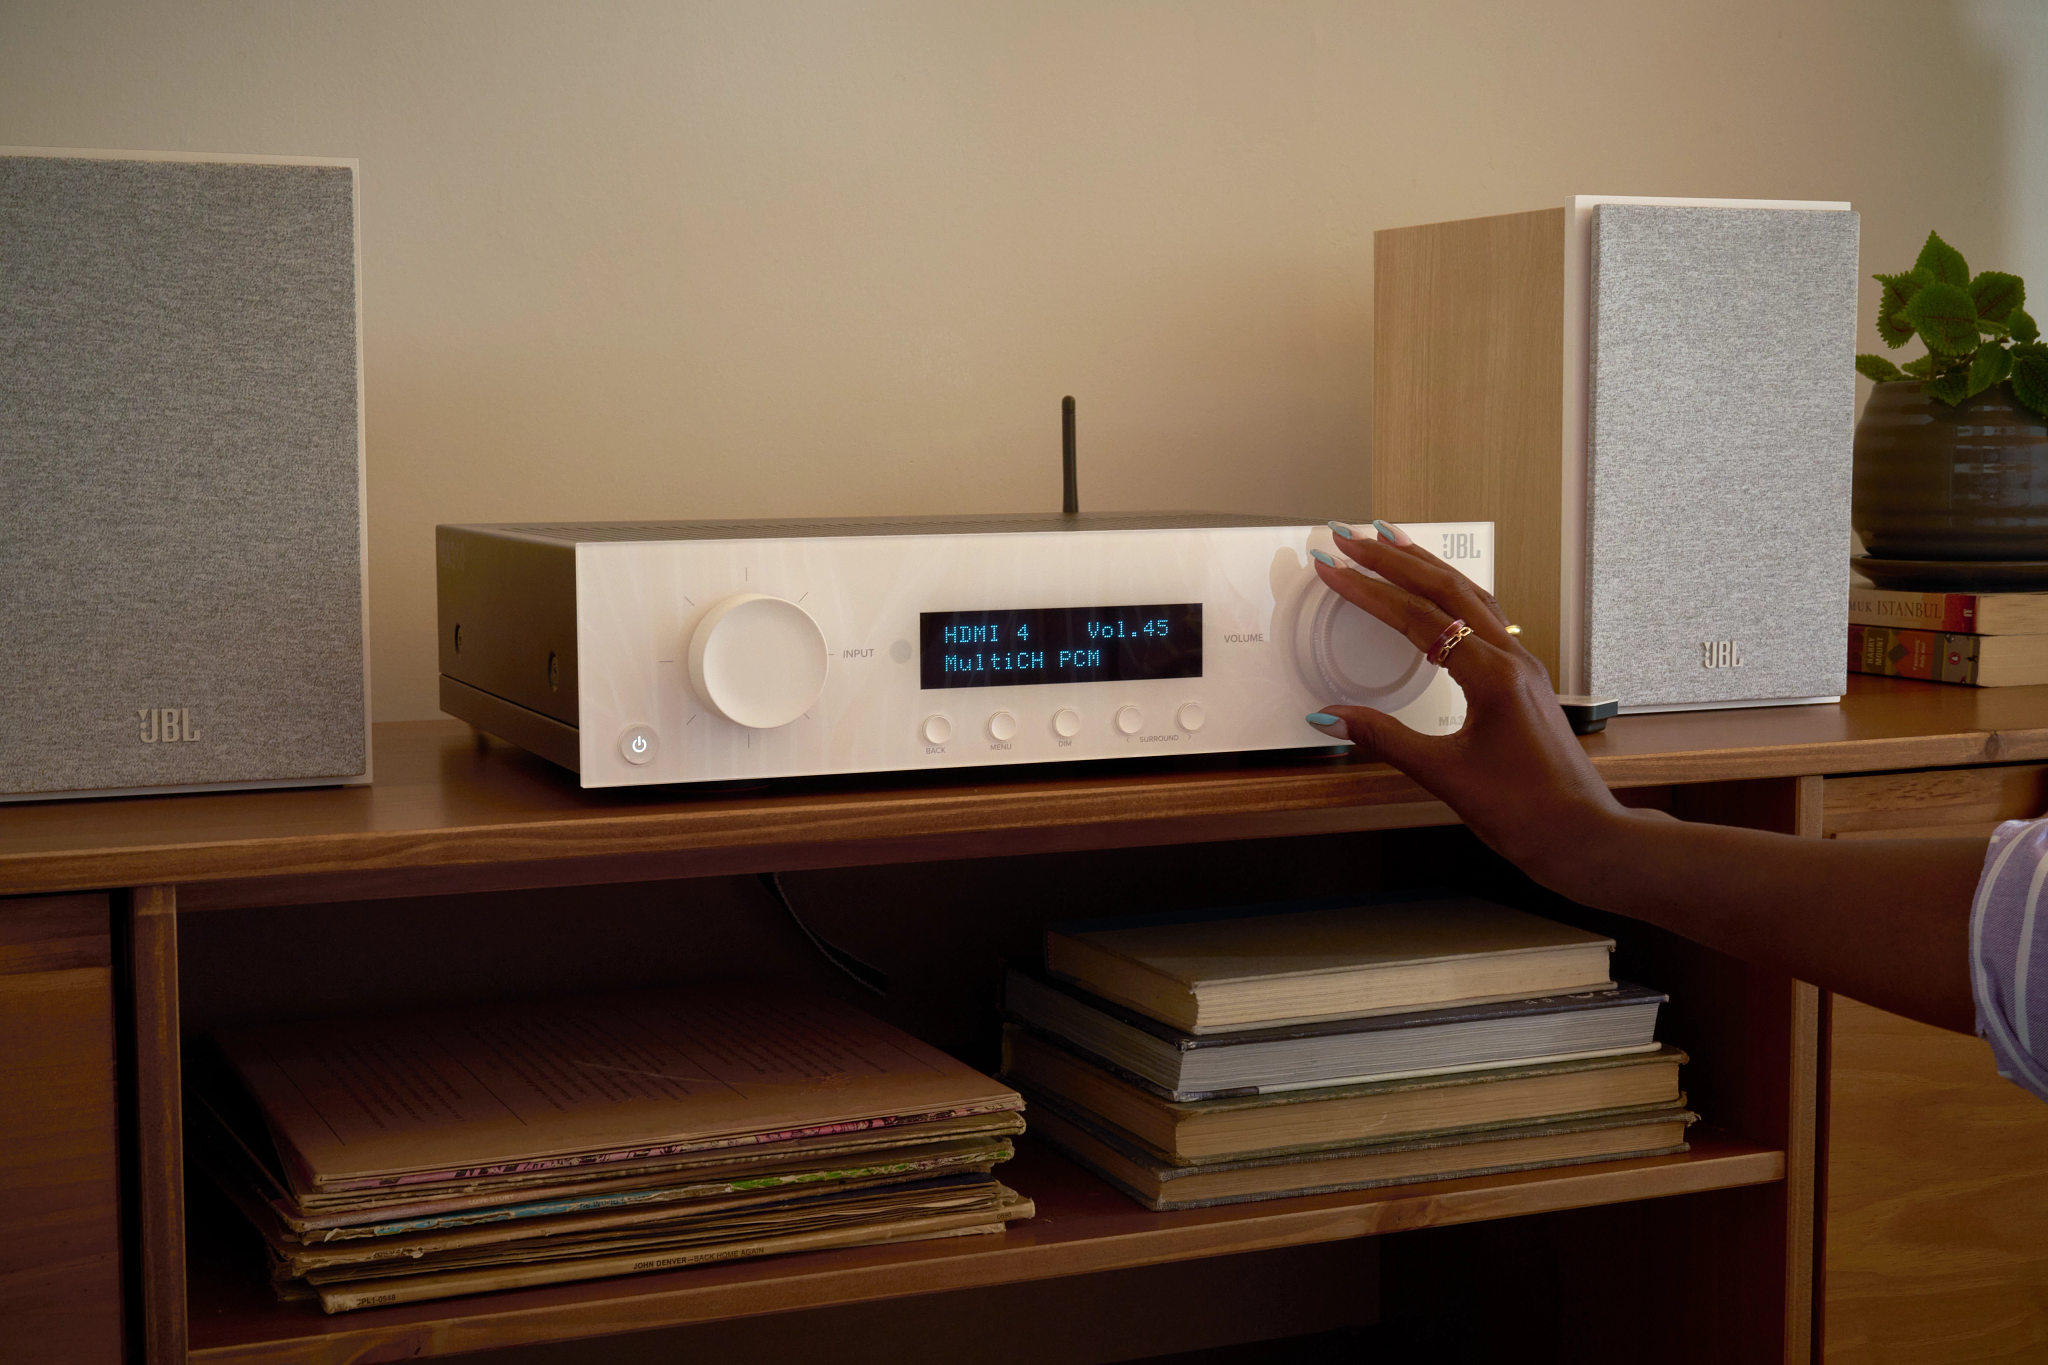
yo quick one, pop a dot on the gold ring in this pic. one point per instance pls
(1512, 628)
(1455, 632)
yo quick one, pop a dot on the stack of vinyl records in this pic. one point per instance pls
(1306, 1048)
(400, 1158)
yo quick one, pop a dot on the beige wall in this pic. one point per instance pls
(756, 259)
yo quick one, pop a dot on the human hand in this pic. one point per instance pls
(1514, 773)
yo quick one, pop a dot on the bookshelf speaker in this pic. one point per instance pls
(181, 475)
(1653, 400)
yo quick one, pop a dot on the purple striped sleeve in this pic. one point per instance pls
(2009, 980)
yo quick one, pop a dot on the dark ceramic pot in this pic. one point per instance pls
(1936, 482)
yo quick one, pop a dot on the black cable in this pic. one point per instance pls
(873, 978)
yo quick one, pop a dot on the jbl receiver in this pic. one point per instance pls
(712, 651)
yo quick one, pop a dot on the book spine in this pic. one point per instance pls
(1932, 655)
(1942, 612)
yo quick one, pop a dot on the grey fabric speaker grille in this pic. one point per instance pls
(1722, 406)
(179, 473)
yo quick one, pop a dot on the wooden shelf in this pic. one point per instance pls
(444, 806)
(449, 813)
(1082, 1226)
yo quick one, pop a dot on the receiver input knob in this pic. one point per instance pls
(757, 660)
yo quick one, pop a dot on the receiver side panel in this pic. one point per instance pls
(514, 601)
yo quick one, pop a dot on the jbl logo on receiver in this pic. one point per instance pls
(1460, 545)
(168, 725)
(1720, 654)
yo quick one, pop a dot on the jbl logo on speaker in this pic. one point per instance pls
(167, 725)
(1460, 545)
(1720, 654)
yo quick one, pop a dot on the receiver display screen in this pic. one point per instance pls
(1059, 645)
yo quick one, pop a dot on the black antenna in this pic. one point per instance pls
(1070, 500)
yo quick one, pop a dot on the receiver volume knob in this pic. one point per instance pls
(1354, 660)
(757, 660)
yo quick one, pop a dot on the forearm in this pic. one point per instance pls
(1885, 921)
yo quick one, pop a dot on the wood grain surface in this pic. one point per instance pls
(1805, 1163)
(1936, 1244)
(158, 1137)
(1468, 395)
(442, 800)
(1945, 803)
(60, 1243)
(1082, 1226)
(1765, 1029)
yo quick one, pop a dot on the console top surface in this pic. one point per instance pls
(596, 532)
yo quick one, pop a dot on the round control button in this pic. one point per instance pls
(638, 745)
(1002, 726)
(1348, 657)
(937, 729)
(1129, 719)
(757, 660)
(1191, 717)
(1066, 722)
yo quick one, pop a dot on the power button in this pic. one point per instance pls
(638, 744)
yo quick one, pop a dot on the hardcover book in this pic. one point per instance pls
(1195, 1132)
(1186, 1066)
(1958, 613)
(1216, 971)
(1974, 660)
(1518, 1147)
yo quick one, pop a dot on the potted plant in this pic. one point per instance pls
(1952, 448)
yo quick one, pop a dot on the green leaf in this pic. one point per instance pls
(2023, 328)
(1992, 365)
(1876, 367)
(1992, 329)
(1898, 292)
(2030, 378)
(1997, 294)
(1895, 330)
(1943, 263)
(1945, 318)
(1920, 368)
(1951, 388)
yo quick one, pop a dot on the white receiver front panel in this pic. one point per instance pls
(681, 641)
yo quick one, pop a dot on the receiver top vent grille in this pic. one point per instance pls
(588, 532)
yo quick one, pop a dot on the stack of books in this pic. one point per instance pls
(1300, 1049)
(1991, 639)
(407, 1157)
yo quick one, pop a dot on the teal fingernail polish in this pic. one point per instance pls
(1323, 718)
(1345, 531)
(1323, 559)
(1394, 534)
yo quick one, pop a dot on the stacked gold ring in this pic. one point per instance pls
(1448, 641)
